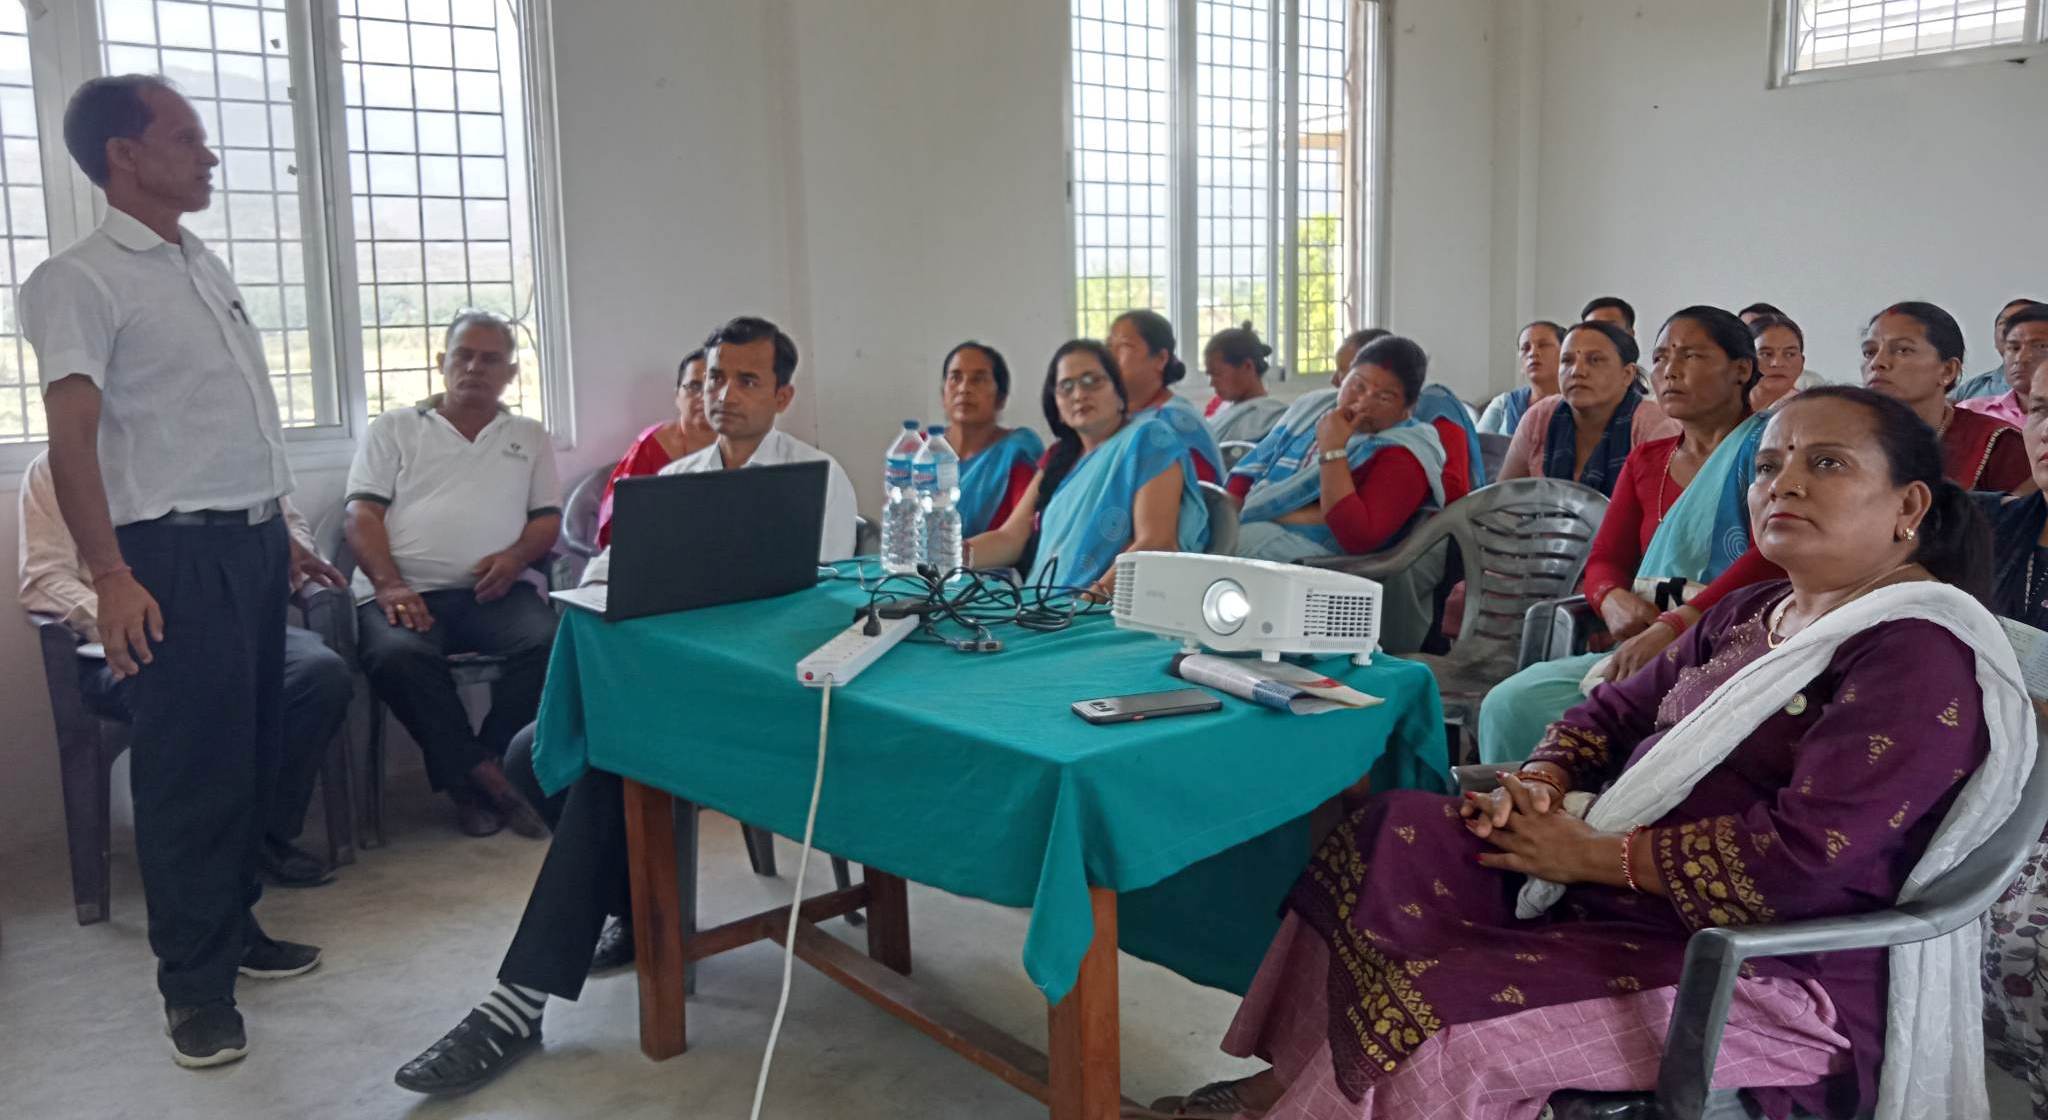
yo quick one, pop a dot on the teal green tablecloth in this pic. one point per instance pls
(967, 772)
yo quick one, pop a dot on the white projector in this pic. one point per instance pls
(1234, 605)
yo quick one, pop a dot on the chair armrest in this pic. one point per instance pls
(1392, 562)
(331, 613)
(1557, 628)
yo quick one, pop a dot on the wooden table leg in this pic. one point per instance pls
(888, 919)
(657, 918)
(1086, 1075)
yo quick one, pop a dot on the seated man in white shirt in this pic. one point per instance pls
(748, 383)
(449, 502)
(562, 937)
(55, 581)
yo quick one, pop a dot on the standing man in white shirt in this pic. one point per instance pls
(168, 460)
(449, 502)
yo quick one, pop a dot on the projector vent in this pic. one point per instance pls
(1126, 589)
(1349, 617)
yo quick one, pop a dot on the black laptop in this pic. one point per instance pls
(681, 541)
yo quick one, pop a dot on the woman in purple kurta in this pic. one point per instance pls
(1426, 995)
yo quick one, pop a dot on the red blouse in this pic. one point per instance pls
(646, 456)
(1982, 452)
(1642, 496)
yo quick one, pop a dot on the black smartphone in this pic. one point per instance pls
(1146, 705)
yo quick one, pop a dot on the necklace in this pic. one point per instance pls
(1777, 615)
(2032, 588)
(1948, 415)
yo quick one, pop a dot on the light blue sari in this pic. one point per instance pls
(1704, 531)
(1292, 439)
(1186, 422)
(985, 478)
(1292, 484)
(1436, 402)
(1089, 519)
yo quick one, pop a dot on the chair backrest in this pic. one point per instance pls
(579, 513)
(1222, 519)
(333, 543)
(1493, 451)
(867, 537)
(1522, 541)
(1970, 887)
(1234, 450)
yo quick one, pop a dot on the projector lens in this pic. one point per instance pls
(1225, 607)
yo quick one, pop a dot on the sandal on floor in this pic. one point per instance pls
(466, 1058)
(1217, 1100)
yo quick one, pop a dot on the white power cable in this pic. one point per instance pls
(796, 904)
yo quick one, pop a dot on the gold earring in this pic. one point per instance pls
(1906, 534)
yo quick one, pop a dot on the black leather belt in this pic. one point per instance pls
(254, 515)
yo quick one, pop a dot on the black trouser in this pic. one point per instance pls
(409, 669)
(207, 741)
(316, 691)
(582, 880)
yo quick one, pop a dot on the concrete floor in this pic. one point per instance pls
(413, 933)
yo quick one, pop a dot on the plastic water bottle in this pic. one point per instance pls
(899, 502)
(935, 473)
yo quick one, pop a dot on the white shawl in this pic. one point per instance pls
(1934, 1042)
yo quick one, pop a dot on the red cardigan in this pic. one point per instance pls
(1398, 486)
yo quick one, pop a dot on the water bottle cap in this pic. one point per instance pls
(910, 425)
(937, 429)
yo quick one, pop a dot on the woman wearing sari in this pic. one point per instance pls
(1142, 343)
(1817, 748)
(1675, 538)
(1913, 353)
(1584, 434)
(997, 464)
(1112, 483)
(664, 443)
(1235, 360)
(1537, 347)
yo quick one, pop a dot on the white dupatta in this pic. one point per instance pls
(1934, 1036)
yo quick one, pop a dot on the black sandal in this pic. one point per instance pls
(467, 1057)
(1218, 1100)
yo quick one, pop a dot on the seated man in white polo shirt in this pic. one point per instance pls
(558, 943)
(449, 502)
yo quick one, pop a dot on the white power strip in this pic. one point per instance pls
(853, 649)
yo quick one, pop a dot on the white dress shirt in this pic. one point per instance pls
(187, 417)
(450, 501)
(54, 579)
(777, 448)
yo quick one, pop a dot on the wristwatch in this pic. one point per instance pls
(1333, 455)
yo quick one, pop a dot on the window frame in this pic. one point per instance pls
(1370, 24)
(1784, 72)
(64, 51)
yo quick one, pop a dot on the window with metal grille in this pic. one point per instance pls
(1824, 35)
(1222, 159)
(418, 111)
(437, 159)
(24, 240)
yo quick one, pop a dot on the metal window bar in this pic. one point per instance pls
(24, 236)
(442, 221)
(1234, 167)
(233, 62)
(1825, 34)
(1122, 116)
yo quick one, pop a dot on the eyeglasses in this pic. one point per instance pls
(692, 388)
(1086, 383)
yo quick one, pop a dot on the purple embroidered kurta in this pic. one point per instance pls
(1823, 810)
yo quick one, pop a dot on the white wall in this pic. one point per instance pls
(1671, 175)
(882, 177)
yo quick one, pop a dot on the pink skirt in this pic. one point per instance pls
(1780, 1033)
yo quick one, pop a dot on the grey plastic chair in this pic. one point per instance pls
(1234, 450)
(1558, 628)
(1714, 959)
(1222, 519)
(1521, 541)
(578, 541)
(1493, 451)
